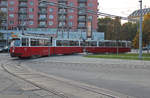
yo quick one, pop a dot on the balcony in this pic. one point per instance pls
(81, 19)
(23, 18)
(62, 19)
(62, 0)
(82, 1)
(82, 13)
(42, 19)
(42, 12)
(42, 6)
(23, 0)
(23, 5)
(82, 26)
(42, 26)
(62, 12)
(22, 12)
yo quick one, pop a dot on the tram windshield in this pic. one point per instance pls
(15, 42)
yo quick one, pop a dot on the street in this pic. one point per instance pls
(124, 76)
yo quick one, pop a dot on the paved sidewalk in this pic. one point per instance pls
(12, 87)
(62, 88)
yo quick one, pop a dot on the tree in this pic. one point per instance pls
(145, 31)
(111, 27)
(128, 31)
(105, 25)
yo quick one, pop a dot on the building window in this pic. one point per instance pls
(51, 10)
(71, 10)
(82, 5)
(43, 23)
(11, 15)
(4, 9)
(42, 16)
(90, 17)
(51, 23)
(70, 24)
(31, 22)
(71, 4)
(62, 23)
(4, 3)
(90, 4)
(31, 9)
(11, 2)
(11, 9)
(31, 16)
(81, 24)
(31, 3)
(11, 22)
(51, 16)
(70, 17)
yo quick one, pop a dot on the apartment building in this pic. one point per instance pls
(31, 14)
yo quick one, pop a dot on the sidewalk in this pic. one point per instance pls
(12, 87)
(60, 87)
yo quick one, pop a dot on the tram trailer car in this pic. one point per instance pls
(26, 47)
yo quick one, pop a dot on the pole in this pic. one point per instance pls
(140, 34)
(7, 42)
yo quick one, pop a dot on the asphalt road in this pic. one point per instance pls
(124, 76)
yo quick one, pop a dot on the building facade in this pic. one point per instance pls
(31, 14)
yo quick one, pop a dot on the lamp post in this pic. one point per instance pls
(140, 34)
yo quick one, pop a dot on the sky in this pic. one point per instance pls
(121, 7)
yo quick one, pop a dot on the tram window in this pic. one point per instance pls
(65, 43)
(34, 42)
(76, 43)
(15, 42)
(119, 44)
(41, 42)
(107, 43)
(93, 43)
(81, 43)
(101, 44)
(25, 42)
(58, 43)
(123, 44)
(113, 44)
(128, 44)
(71, 43)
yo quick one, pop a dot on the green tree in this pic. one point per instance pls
(128, 31)
(111, 27)
(105, 25)
(117, 29)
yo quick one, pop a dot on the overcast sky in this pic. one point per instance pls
(121, 7)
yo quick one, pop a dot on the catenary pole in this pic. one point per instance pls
(140, 34)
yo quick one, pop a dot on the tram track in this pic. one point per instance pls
(40, 87)
(60, 94)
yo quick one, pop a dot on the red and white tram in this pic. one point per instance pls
(27, 46)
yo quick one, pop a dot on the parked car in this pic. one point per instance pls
(1, 49)
(4, 49)
(146, 48)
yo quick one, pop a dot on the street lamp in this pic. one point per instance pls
(140, 34)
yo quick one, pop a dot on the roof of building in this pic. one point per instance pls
(137, 13)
